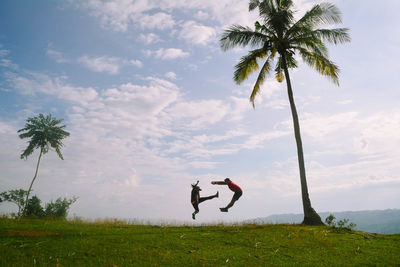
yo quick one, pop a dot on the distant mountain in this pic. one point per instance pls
(372, 221)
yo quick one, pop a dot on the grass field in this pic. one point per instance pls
(114, 243)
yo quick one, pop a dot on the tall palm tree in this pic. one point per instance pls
(278, 36)
(44, 133)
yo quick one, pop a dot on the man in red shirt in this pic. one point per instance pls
(232, 186)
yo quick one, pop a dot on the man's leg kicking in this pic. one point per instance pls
(208, 198)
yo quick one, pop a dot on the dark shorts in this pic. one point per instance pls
(237, 195)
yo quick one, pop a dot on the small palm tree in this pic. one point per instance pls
(279, 36)
(44, 133)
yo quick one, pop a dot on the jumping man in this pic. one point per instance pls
(232, 186)
(196, 199)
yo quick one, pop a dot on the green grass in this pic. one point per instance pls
(114, 243)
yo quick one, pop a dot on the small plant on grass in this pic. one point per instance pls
(341, 225)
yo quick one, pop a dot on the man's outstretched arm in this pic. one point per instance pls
(218, 182)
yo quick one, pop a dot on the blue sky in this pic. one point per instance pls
(149, 100)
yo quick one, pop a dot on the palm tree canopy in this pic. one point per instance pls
(44, 133)
(279, 35)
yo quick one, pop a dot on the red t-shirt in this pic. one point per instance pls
(234, 187)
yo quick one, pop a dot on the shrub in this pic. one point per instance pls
(17, 197)
(59, 208)
(33, 208)
(340, 225)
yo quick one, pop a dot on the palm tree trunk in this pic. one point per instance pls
(310, 216)
(30, 187)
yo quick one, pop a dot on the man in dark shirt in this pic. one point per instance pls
(196, 199)
(232, 186)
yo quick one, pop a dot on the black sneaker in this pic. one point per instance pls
(223, 209)
(194, 216)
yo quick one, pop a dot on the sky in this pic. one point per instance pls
(151, 106)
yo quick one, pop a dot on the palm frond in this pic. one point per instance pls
(335, 36)
(311, 43)
(253, 4)
(320, 14)
(321, 64)
(269, 34)
(277, 15)
(247, 65)
(237, 35)
(260, 79)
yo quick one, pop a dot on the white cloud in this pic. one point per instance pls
(56, 55)
(134, 62)
(8, 64)
(318, 125)
(33, 83)
(119, 15)
(133, 180)
(159, 21)
(201, 15)
(101, 64)
(5, 62)
(197, 34)
(225, 12)
(4, 52)
(204, 164)
(345, 102)
(167, 54)
(171, 75)
(240, 106)
(149, 38)
(257, 140)
(198, 114)
(354, 150)
(192, 67)
(111, 65)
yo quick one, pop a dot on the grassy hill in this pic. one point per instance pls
(114, 243)
(372, 221)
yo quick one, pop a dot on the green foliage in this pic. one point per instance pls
(54, 209)
(59, 208)
(44, 132)
(330, 220)
(341, 225)
(114, 243)
(34, 208)
(16, 196)
(278, 34)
